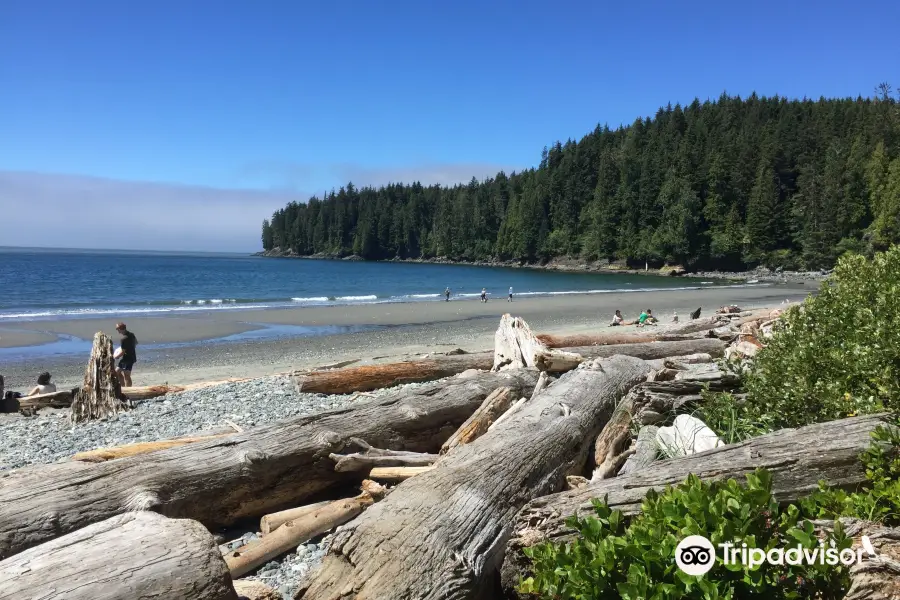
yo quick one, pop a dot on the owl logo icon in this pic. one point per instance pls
(695, 555)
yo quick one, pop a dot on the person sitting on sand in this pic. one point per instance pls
(617, 319)
(129, 354)
(483, 295)
(43, 385)
(646, 318)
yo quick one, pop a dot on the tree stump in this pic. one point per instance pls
(100, 396)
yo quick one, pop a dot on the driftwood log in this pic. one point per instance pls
(28, 405)
(652, 402)
(875, 578)
(644, 453)
(147, 392)
(441, 534)
(100, 396)
(299, 530)
(104, 454)
(516, 346)
(245, 475)
(270, 523)
(135, 556)
(477, 425)
(371, 377)
(797, 459)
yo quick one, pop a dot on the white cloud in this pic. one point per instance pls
(72, 211)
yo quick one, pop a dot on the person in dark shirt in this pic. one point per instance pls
(129, 354)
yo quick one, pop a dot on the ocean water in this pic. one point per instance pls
(37, 284)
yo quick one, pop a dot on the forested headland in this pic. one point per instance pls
(726, 184)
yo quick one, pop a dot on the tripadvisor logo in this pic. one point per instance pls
(695, 555)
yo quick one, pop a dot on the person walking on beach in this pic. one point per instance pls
(447, 294)
(483, 295)
(509, 299)
(127, 344)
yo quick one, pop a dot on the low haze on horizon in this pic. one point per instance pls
(182, 125)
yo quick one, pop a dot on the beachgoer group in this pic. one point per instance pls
(645, 318)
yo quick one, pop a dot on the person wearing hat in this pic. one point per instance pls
(126, 354)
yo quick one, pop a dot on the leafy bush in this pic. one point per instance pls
(612, 558)
(837, 354)
(636, 561)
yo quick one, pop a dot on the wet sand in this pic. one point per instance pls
(396, 330)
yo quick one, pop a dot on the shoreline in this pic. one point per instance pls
(373, 333)
(575, 265)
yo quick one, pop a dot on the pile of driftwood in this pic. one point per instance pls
(456, 477)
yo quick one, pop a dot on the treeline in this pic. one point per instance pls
(725, 184)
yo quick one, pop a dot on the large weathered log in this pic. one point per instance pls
(245, 475)
(644, 453)
(609, 339)
(797, 459)
(373, 377)
(515, 346)
(441, 534)
(101, 395)
(655, 350)
(135, 556)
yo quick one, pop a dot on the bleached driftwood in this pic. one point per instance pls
(247, 475)
(515, 346)
(493, 407)
(138, 556)
(100, 396)
(299, 530)
(377, 457)
(446, 528)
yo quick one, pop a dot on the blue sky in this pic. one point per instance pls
(280, 99)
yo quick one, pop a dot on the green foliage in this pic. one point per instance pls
(880, 502)
(731, 419)
(613, 558)
(635, 561)
(838, 354)
(724, 184)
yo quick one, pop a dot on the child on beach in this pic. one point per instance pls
(510, 295)
(483, 295)
(646, 318)
(447, 294)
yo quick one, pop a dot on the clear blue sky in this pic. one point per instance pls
(305, 95)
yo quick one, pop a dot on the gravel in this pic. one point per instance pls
(49, 437)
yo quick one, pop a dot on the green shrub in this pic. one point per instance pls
(837, 354)
(636, 561)
(613, 558)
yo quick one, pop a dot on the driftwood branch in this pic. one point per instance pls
(377, 457)
(492, 409)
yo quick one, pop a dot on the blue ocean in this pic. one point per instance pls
(59, 284)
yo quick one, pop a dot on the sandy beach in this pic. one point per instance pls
(219, 344)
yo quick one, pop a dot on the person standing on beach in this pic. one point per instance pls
(509, 299)
(483, 294)
(127, 344)
(447, 294)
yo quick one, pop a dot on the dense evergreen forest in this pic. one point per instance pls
(728, 184)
